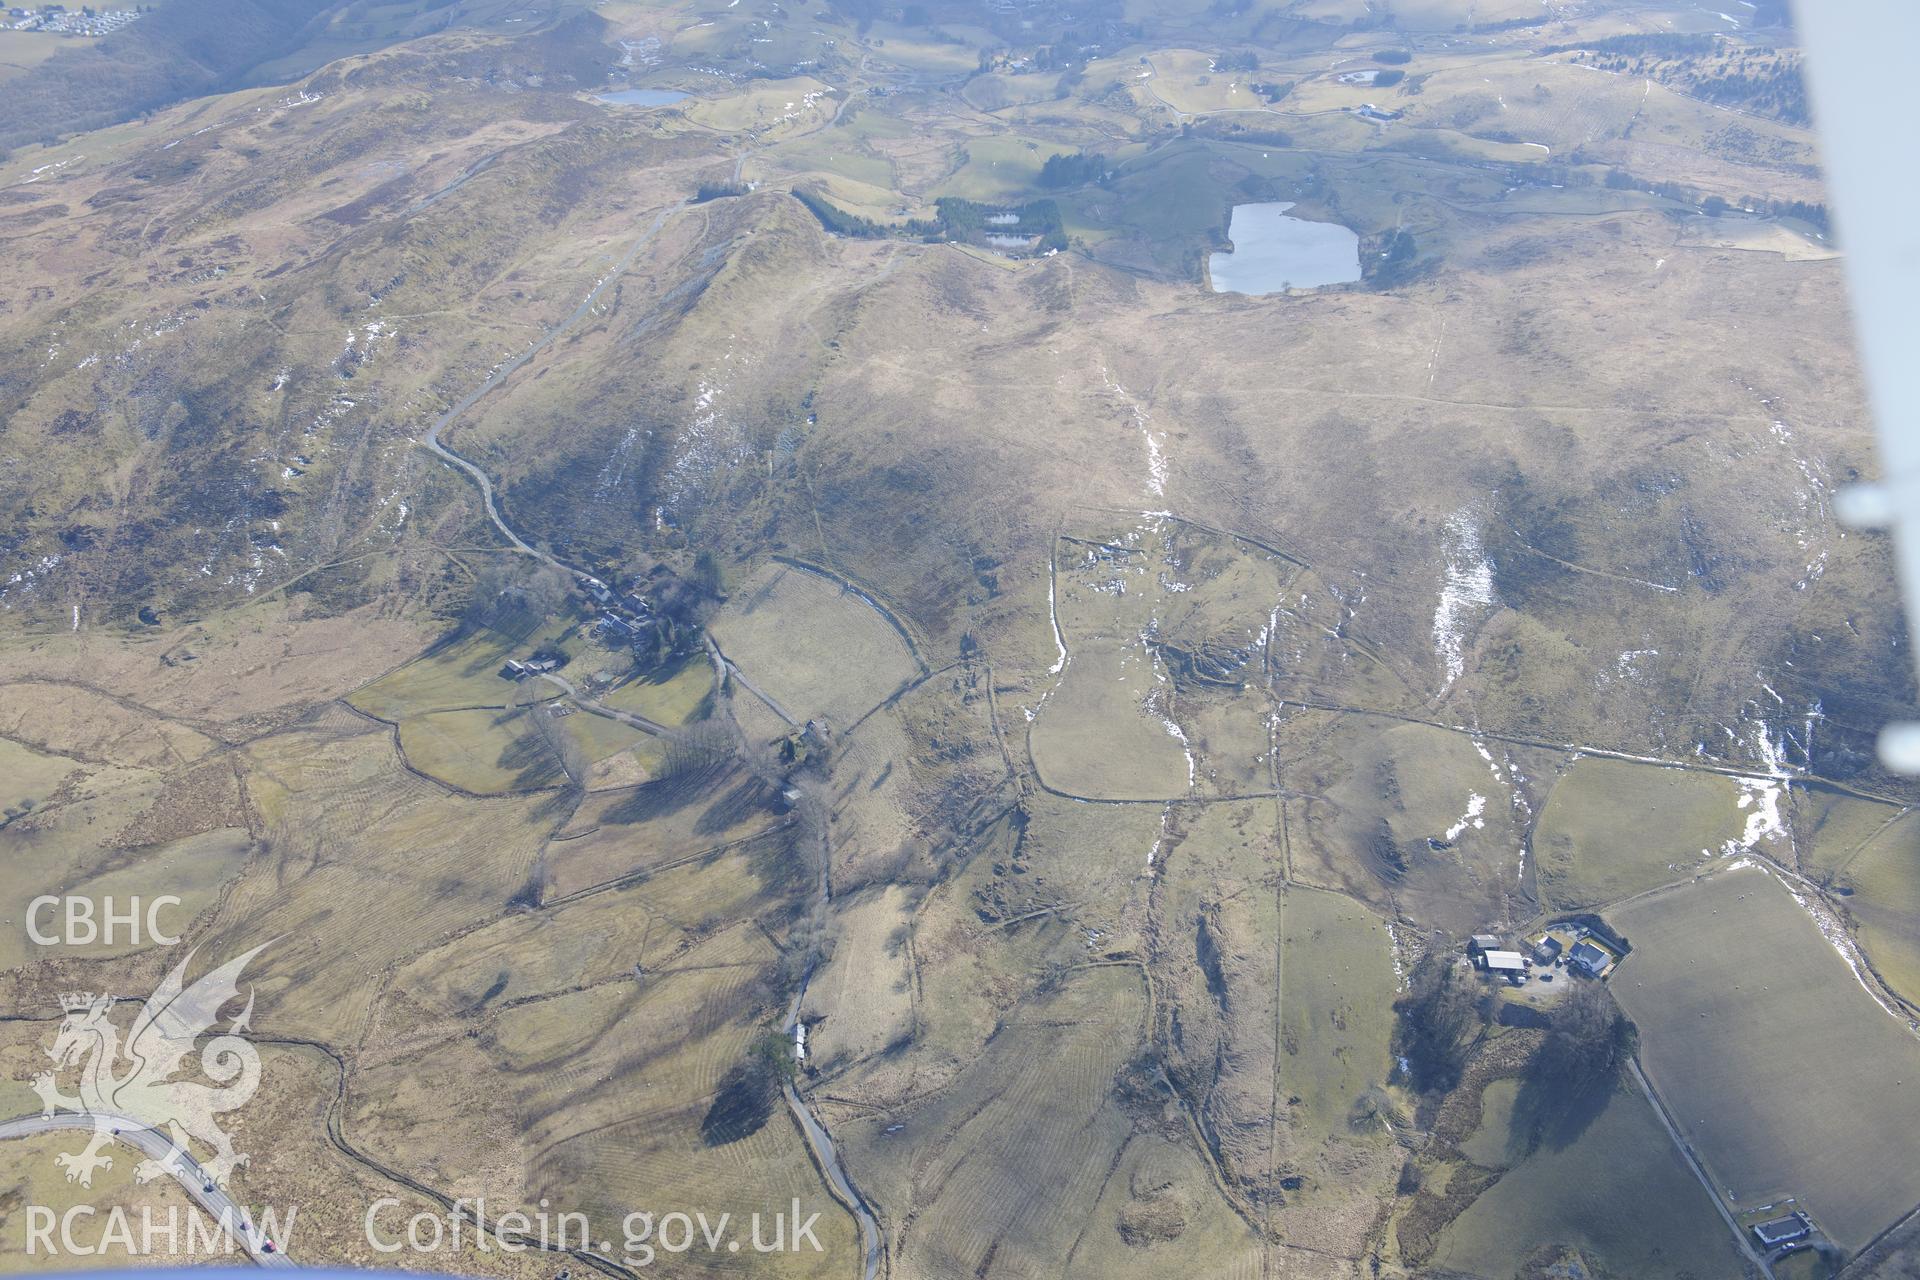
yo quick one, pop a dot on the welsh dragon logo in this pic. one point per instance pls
(132, 1085)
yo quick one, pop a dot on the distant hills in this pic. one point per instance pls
(181, 49)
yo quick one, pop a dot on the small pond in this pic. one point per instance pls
(1272, 252)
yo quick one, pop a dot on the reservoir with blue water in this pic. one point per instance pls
(640, 97)
(1273, 252)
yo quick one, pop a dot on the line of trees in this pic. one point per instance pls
(955, 219)
(1395, 263)
(1813, 213)
(1440, 1017)
(1588, 1046)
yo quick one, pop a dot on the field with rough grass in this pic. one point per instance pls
(815, 647)
(1184, 667)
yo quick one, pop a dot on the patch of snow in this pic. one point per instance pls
(1160, 840)
(1059, 640)
(1466, 590)
(1474, 817)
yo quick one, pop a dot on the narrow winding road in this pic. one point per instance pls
(186, 1170)
(821, 1141)
(816, 1133)
(512, 366)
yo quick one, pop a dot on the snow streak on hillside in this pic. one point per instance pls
(1466, 592)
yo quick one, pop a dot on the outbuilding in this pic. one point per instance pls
(1504, 961)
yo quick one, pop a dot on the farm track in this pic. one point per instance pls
(723, 661)
(1609, 753)
(906, 687)
(598, 708)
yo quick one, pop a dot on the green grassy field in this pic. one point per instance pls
(1337, 991)
(20, 50)
(864, 994)
(484, 751)
(1833, 827)
(1612, 827)
(1164, 624)
(1781, 1071)
(621, 831)
(778, 108)
(28, 776)
(1883, 877)
(463, 673)
(1097, 735)
(192, 868)
(1495, 1143)
(1618, 1193)
(1185, 81)
(672, 695)
(998, 168)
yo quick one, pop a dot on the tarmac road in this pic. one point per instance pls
(508, 369)
(155, 1144)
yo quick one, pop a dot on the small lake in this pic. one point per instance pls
(1272, 252)
(640, 97)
